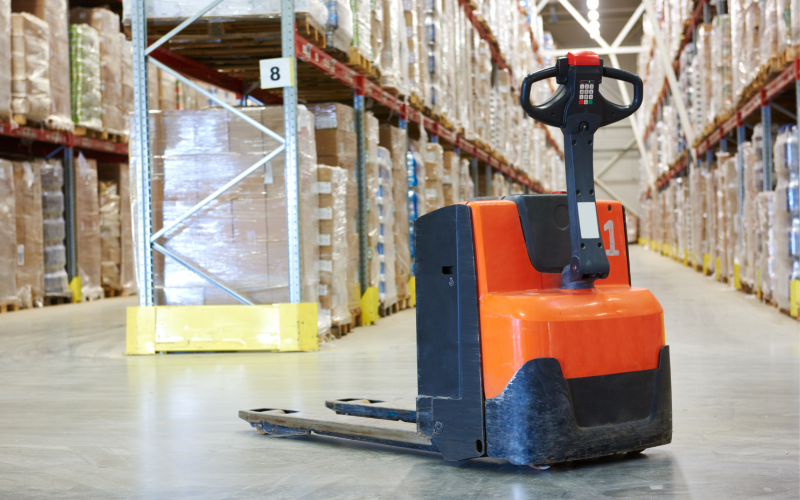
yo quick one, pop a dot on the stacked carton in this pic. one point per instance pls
(451, 178)
(54, 14)
(8, 235)
(87, 231)
(5, 62)
(116, 236)
(107, 25)
(434, 177)
(396, 141)
(30, 60)
(87, 100)
(467, 187)
(28, 214)
(55, 253)
(110, 235)
(240, 239)
(336, 146)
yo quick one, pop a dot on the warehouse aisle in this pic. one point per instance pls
(80, 420)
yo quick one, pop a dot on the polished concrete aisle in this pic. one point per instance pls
(80, 420)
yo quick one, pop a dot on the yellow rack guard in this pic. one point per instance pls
(277, 327)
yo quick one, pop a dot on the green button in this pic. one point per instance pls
(590, 101)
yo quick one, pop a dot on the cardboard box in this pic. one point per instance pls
(30, 233)
(87, 231)
(8, 235)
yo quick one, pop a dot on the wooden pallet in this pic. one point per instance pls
(57, 300)
(416, 103)
(9, 307)
(110, 292)
(385, 310)
(83, 131)
(20, 119)
(359, 63)
(404, 302)
(339, 330)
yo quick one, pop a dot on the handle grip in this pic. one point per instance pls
(613, 112)
(547, 113)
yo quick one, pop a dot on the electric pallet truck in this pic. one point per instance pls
(532, 345)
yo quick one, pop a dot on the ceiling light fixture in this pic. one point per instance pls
(593, 15)
(592, 4)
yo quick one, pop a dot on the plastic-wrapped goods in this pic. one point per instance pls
(110, 232)
(394, 68)
(55, 253)
(710, 214)
(87, 232)
(339, 25)
(396, 141)
(466, 186)
(748, 258)
(766, 248)
(107, 25)
(376, 33)
(240, 239)
(119, 174)
(450, 178)
(631, 227)
(334, 228)
(784, 18)
(415, 51)
(54, 13)
(171, 9)
(382, 263)
(5, 62)
(768, 32)
(726, 207)
(434, 177)
(8, 235)
(721, 66)
(333, 116)
(738, 49)
(787, 169)
(697, 182)
(703, 75)
(362, 27)
(30, 233)
(752, 43)
(794, 8)
(87, 101)
(30, 60)
(127, 79)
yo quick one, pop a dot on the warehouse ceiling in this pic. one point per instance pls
(567, 33)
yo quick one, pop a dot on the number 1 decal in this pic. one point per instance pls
(609, 226)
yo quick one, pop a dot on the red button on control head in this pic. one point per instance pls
(583, 58)
(580, 102)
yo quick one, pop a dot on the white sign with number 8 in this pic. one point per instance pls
(276, 73)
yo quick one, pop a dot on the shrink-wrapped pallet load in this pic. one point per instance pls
(434, 177)
(451, 178)
(362, 28)
(55, 253)
(87, 101)
(749, 257)
(721, 66)
(30, 233)
(787, 169)
(766, 248)
(117, 174)
(241, 238)
(110, 235)
(752, 43)
(339, 25)
(106, 23)
(467, 187)
(127, 80)
(702, 67)
(335, 140)
(416, 60)
(30, 60)
(380, 219)
(8, 235)
(334, 229)
(316, 10)
(5, 61)
(376, 34)
(396, 141)
(87, 231)
(709, 246)
(732, 221)
(54, 13)
(768, 30)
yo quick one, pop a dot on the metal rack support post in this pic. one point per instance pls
(290, 136)
(361, 176)
(69, 212)
(766, 125)
(141, 132)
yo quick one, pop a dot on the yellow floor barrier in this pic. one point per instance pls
(369, 306)
(75, 288)
(277, 327)
(412, 291)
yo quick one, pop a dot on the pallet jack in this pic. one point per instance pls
(532, 345)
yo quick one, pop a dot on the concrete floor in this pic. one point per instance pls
(80, 420)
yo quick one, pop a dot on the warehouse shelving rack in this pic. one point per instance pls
(34, 142)
(323, 77)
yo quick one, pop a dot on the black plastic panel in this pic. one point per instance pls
(545, 226)
(450, 402)
(533, 421)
